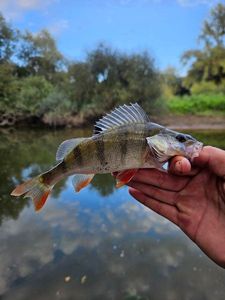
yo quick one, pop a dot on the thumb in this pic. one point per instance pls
(213, 158)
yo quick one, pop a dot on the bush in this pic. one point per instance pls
(33, 92)
(197, 104)
(56, 103)
(207, 87)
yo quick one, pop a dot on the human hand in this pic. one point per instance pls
(192, 197)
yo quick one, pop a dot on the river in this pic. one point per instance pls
(98, 244)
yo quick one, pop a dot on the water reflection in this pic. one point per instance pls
(109, 246)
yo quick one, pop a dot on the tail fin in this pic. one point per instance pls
(36, 189)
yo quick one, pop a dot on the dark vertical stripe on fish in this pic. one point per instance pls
(100, 147)
(78, 155)
(63, 166)
(123, 146)
(49, 176)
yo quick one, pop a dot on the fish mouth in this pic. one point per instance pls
(194, 150)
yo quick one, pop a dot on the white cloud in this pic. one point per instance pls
(14, 9)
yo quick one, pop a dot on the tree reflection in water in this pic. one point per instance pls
(122, 249)
(26, 153)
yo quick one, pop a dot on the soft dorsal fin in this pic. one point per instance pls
(123, 115)
(66, 146)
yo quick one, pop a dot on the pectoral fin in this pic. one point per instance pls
(81, 180)
(124, 177)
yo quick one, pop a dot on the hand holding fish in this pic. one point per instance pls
(192, 197)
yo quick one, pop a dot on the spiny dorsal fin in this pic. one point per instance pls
(66, 146)
(123, 115)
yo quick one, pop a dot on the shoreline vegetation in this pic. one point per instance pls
(40, 87)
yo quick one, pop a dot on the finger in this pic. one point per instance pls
(168, 211)
(180, 165)
(212, 157)
(161, 179)
(154, 192)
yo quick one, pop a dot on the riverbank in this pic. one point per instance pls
(193, 122)
(175, 121)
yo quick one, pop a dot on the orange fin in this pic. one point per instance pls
(35, 189)
(39, 198)
(81, 180)
(124, 177)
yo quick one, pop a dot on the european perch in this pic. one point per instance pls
(123, 141)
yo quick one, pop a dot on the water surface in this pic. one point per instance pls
(98, 244)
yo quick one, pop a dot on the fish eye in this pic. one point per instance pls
(181, 138)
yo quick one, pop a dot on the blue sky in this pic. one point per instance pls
(165, 28)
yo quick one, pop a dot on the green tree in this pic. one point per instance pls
(213, 32)
(32, 94)
(8, 38)
(39, 55)
(172, 83)
(208, 64)
(108, 78)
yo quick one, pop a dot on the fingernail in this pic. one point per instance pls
(178, 166)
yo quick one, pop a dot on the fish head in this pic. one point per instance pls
(169, 143)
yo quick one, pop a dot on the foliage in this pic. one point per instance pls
(213, 31)
(37, 81)
(172, 84)
(205, 87)
(108, 78)
(8, 86)
(198, 104)
(38, 54)
(32, 94)
(8, 37)
(208, 64)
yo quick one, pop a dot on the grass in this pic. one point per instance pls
(198, 104)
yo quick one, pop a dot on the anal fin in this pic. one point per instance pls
(124, 177)
(81, 180)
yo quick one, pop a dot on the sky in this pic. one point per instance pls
(164, 28)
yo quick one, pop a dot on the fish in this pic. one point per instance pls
(123, 141)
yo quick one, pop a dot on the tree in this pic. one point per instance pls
(172, 83)
(8, 38)
(39, 54)
(108, 78)
(208, 64)
(213, 32)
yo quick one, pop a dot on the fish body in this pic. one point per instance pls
(123, 141)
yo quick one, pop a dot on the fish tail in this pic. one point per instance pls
(36, 189)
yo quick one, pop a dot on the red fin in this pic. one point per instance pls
(39, 203)
(124, 177)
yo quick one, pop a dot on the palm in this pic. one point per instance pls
(195, 203)
(201, 212)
